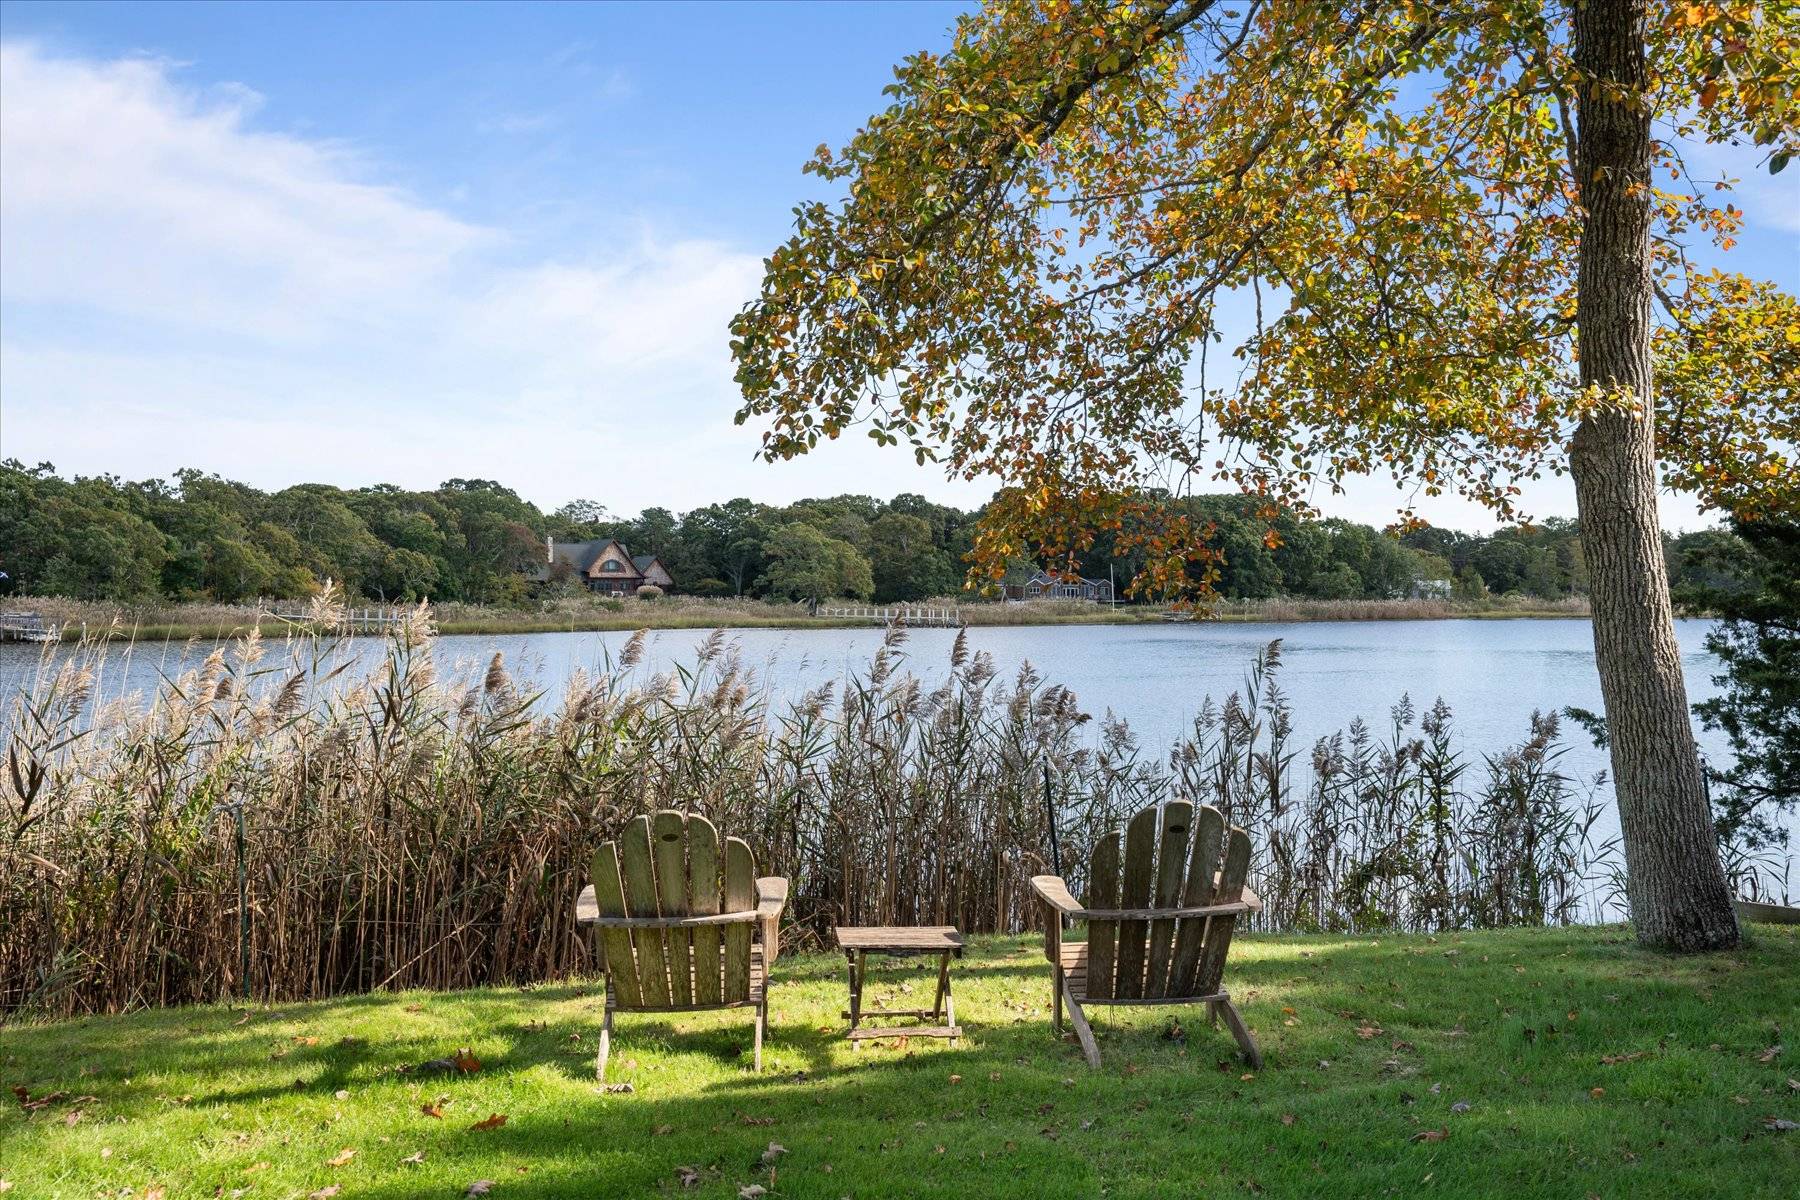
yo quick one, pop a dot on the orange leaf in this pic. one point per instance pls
(493, 1121)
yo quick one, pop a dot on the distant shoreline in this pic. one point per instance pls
(183, 622)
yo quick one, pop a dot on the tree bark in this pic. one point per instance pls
(1675, 882)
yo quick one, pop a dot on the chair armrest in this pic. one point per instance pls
(1252, 899)
(1054, 892)
(771, 896)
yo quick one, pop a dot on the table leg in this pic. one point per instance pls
(943, 987)
(949, 1000)
(855, 961)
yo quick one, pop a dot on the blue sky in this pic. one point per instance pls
(360, 243)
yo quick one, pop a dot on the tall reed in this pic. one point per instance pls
(402, 828)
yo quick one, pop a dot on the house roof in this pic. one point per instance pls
(583, 556)
(642, 562)
(1049, 580)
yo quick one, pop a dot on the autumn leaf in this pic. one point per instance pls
(480, 1187)
(491, 1121)
(1429, 1135)
(434, 1109)
(689, 1176)
(324, 1193)
(465, 1061)
(343, 1158)
(414, 1159)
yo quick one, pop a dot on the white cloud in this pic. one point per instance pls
(184, 289)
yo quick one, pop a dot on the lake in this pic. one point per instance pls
(1492, 673)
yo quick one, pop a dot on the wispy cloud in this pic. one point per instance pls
(183, 288)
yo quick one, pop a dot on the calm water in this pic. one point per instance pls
(1493, 674)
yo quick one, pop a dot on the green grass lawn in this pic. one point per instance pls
(1587, 1067)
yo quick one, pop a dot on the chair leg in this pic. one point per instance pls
(605, 1043)
(1056, 986)
(1083, 1033)
(1235, 1021)
(762, 1018)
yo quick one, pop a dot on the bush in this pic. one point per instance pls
(649, 592)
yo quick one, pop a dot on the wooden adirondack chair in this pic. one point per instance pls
(1158, 932)
(685, 925)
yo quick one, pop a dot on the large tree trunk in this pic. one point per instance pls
(1676, 884)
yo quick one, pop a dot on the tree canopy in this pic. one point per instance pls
(1045, 234)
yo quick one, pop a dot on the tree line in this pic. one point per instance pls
(197, 536)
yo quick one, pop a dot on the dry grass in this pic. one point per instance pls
(180, 621)
(399, 829)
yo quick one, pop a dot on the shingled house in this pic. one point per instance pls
(605, 566)
(1044, 586)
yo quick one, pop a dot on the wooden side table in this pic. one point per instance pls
(896, 941)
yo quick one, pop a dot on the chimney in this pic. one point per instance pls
(550, 551)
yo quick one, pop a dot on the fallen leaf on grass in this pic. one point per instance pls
(747, 1119)
(775, 1151)
(1780, 1125)
(1429, 1135)
(689, 1176)
(1769, 1055)
(1287, 1118)
(661, 1130)
(616, 1089)
(750, 1191)
(325, 1193)
(1461, 1106)
(480, 1187)
(343, 1158)
(1613, 1060)
(1597, 1093)
(433, 1110)
(301, 1039)
(1365, 1032)
(491, 1121)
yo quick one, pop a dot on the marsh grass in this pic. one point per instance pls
(402, 828)
(177, 621)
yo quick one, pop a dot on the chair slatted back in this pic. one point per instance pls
(1169, 857)
(671, 865)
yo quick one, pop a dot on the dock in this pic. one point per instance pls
(911, 616)
(376, 619)
(27, 627)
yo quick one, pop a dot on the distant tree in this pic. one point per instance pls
(1467, 585)
(904, 563)
(729, 539)
(1751, 583)
(805, 564)
(579, 519)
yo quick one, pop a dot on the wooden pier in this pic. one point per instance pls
(379, 619)
(912, 616)
(27, 627)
